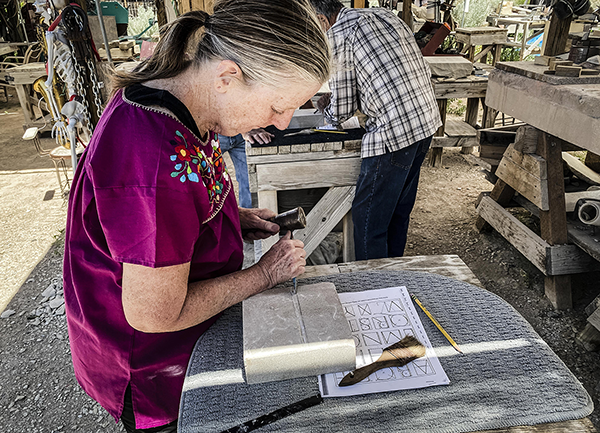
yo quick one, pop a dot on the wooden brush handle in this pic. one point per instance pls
(364, 372)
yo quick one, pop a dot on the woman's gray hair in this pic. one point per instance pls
(272, 41)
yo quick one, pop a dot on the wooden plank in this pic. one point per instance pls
(488, 164)
(581, 170)
(308, 174)
(296, 157)
(439, 142)
(534, 164)
(456, 89)
(447, 265)
(568, 259)
(493, 152)
(326, 214)
(524, 182)
(526, 139)
(585, 237)
(457, 127)
(515, 232)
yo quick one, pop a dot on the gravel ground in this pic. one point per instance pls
(38, 392)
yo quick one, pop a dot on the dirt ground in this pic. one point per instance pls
(38, 392)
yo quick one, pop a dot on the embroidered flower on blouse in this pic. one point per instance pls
(192, 161)
(187, 155)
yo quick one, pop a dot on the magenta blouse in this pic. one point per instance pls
(150, 192)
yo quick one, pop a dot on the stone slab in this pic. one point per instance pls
(288, 336)
(570, 112)
(449, 66)
(531, 70)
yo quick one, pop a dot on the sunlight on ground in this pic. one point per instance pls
(30, 225)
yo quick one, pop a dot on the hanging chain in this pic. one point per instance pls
(81, 89)
(95, 86)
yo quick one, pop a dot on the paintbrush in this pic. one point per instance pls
(397, 355)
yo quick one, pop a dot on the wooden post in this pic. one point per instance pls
(348, 252)
(407, 13)
(435, 154)
(358, 3)
(553, 222)
(556, 38)
(161, 13)
(471, 118)
(502, 193)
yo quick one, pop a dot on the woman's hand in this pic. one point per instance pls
(255, 225)
(259, 136)
(284, 261)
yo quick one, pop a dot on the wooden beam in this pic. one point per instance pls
(348, 252)
(407, 14)
(502, 193)
(326, 214)
(527, 174)
(522, 238)
(308, 174)
(556, 38)
(553, 222)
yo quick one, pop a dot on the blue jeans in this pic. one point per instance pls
(385, 195)
(236, 146)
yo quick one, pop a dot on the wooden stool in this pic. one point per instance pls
(491, 39)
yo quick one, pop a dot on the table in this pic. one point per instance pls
(23, 77)
(209, 390)
(527, 24)
(564, 115)
(458, 133)
(491, 39)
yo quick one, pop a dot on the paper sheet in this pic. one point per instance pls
(378, 319)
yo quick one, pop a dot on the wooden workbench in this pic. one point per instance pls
(458, 133)
(334, 164)
(564, 114)
(23, 77)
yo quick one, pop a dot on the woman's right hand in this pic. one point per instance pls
(284, 261)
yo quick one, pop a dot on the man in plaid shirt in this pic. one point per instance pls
(380, 71)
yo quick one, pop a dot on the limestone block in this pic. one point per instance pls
(288, 336)
(449, 66)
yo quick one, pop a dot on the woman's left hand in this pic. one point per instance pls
(255, 225)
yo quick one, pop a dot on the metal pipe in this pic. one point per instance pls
(103, 30)
(589, 213)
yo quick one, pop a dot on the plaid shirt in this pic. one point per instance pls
(381, 72)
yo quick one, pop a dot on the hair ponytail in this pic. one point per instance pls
(169, 58)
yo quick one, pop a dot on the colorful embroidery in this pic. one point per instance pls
(210, 168)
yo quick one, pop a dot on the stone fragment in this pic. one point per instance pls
(6, 314)
(56, 302)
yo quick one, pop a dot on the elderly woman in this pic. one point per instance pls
(154, 234)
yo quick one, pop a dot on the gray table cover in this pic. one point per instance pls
(513, 378)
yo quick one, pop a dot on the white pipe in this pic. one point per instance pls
(589, 213)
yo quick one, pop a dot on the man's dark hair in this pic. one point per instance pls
(327, 7)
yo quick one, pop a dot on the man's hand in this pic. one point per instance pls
(323, 102)
(255, 225)
(284, 260)
(259, 136)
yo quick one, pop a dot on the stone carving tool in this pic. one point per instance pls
(397, 355)
(291, 220)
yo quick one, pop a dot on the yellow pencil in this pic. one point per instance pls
(435, 322)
